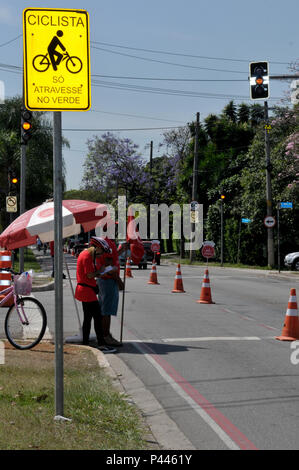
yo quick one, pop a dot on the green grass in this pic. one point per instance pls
(29, 261)
(101, 416)
(216, 264)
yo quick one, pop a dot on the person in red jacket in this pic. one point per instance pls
(108, 284)
(86, 290)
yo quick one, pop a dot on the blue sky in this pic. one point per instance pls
(225, 35)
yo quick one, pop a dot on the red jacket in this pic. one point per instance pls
(101, 260)
(85, 265)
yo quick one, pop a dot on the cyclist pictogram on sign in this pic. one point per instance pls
(41, 62)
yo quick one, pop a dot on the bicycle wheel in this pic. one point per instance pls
(41, 63)
(27, 333)
(73, 64)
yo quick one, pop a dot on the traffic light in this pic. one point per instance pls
(13, 181)
(26, 126)
(259, 80)
(222, 197)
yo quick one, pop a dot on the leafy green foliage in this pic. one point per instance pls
(39, 156)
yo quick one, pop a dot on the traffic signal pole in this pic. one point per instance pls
(22, 198)
(270, 238)
(195, 180)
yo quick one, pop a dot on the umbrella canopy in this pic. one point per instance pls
(39, 222)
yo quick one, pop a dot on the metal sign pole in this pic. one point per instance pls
(58, 261)
(278, 239)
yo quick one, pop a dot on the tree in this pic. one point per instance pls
(246, 193)
(230, 111)
(243, 113)
(39, 155)
(112, 165)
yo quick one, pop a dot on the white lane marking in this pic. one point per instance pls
(213, 338)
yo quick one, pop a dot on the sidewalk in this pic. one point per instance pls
(165, 433)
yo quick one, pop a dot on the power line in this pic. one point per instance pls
(121, 129)
(11, 40)
(180, 54)
(167, 91)
(173, 79)
(135, 116)
(167, 63)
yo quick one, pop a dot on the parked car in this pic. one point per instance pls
(150, 255)
(123, 259)
(291, 260)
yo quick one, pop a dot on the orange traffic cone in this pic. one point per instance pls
(128, 269)
(153, 275)
(205, 294)
(178, 281)
(290, 330)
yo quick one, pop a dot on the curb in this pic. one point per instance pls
(43, 287)
(258, 272)
(164, 430)
(164, 433)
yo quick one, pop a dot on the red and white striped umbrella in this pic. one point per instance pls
(39, 222)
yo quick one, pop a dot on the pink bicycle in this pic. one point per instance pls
(26, 320)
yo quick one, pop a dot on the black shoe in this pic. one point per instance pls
(106, 349)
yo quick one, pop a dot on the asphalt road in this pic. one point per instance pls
(216, 369)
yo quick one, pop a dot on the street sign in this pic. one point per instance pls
(246, 221)
(286, 205)
(155, 246)
(269, 221)
(208, 250)
(56, 59)
(194, 205)
(11, 204)
(194, 217)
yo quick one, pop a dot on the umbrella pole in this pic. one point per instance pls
(72, 289)
(123, 301)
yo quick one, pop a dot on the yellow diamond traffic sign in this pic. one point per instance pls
(56, 59)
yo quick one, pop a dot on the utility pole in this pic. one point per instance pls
(195, 178)
(151, 158)
(270, 239)
(151, 192)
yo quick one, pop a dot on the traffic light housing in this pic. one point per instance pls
(259, 80)
(13, 181)
(26, 126)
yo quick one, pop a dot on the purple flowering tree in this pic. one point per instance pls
(113, 166)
